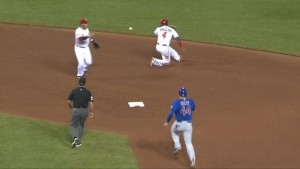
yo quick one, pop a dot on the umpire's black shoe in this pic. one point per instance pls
(75, 142)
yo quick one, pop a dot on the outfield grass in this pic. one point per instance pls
(259, 24)
(34, 144)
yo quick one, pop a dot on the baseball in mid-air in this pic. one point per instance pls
(130, 28)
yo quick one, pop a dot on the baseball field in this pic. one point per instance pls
(247, 95)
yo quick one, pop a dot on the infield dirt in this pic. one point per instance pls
(247, 101)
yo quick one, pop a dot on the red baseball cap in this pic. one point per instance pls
(164, 21)
(83, 21)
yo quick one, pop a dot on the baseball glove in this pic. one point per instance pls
(96, 44)
(172, 26)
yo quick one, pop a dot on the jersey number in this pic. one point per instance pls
(186, 110)
(164, 35)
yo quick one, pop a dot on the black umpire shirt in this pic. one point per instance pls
(81, 97)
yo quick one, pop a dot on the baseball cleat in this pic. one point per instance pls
(152, 61)
(78, 145)
(75, 142)
(180, 59)
(176, 151)
(193, 164)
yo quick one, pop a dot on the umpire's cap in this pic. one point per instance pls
(82, 81)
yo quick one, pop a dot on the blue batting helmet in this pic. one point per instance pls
(182, 92)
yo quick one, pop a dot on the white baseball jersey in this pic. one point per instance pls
(82, 50)
(165, 34)
(82, 33)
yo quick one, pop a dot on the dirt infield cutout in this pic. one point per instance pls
(247, 101)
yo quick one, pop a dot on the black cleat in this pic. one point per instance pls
(75, 142)
(176, 151)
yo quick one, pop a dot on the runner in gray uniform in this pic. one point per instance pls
(81, 102)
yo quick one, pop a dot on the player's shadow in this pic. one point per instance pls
(163, 150)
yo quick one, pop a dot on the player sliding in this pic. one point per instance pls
(164, 34)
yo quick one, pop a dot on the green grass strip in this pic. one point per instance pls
(32, 144)
(271, 25)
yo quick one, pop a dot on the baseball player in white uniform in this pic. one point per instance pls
(164, 34)
(82, 50)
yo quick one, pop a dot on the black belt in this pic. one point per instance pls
(80, 46)
(189, 121)
(80, 107)
(163, 44)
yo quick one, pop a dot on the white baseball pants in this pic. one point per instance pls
(187, 130)
(84, 58)
(166, 53)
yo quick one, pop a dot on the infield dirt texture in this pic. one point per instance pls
(247, 101)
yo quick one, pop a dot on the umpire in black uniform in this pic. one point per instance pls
(81, 102)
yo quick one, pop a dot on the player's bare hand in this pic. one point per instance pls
(91, 115)
(166, 124)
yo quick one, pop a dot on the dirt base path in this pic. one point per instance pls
(247, 101)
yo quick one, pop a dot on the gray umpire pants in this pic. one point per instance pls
(79, 115)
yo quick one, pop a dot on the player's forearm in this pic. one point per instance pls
(91, 106)
(83, 38)
(170, 115)
(179, 42)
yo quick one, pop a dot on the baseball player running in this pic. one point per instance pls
(164, 34)
(82, 50)
(183, 109)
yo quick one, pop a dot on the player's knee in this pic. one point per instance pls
(89, 62)
(80, 65)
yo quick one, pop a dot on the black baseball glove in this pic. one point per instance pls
(96, 44)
